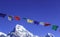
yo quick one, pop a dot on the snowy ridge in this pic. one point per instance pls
(1, 33)
(22, 30)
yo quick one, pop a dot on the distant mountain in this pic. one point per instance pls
(20, 31)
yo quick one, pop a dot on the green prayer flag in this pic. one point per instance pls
(54, 27)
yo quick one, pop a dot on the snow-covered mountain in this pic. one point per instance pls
(20, 31)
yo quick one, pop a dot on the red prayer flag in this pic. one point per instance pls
(47, 24)
(17, 17)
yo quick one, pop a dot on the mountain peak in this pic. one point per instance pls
(20, 31)
(19, 27)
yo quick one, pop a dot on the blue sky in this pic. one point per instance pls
(40, 10)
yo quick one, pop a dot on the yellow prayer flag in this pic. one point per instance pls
(29, 21)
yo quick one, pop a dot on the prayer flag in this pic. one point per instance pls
(24, 18)
(2, 15)
(41, 23)
(17, 17)
(29, 21)
(47, 24)
(36, 22)
(10, 18)
(54, 27)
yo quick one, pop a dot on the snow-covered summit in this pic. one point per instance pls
(20, 28)
(20, 31)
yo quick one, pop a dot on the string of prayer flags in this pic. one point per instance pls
(17, 17)
(2, 15)
(54, 27)
(10, 18)
(30, 21)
